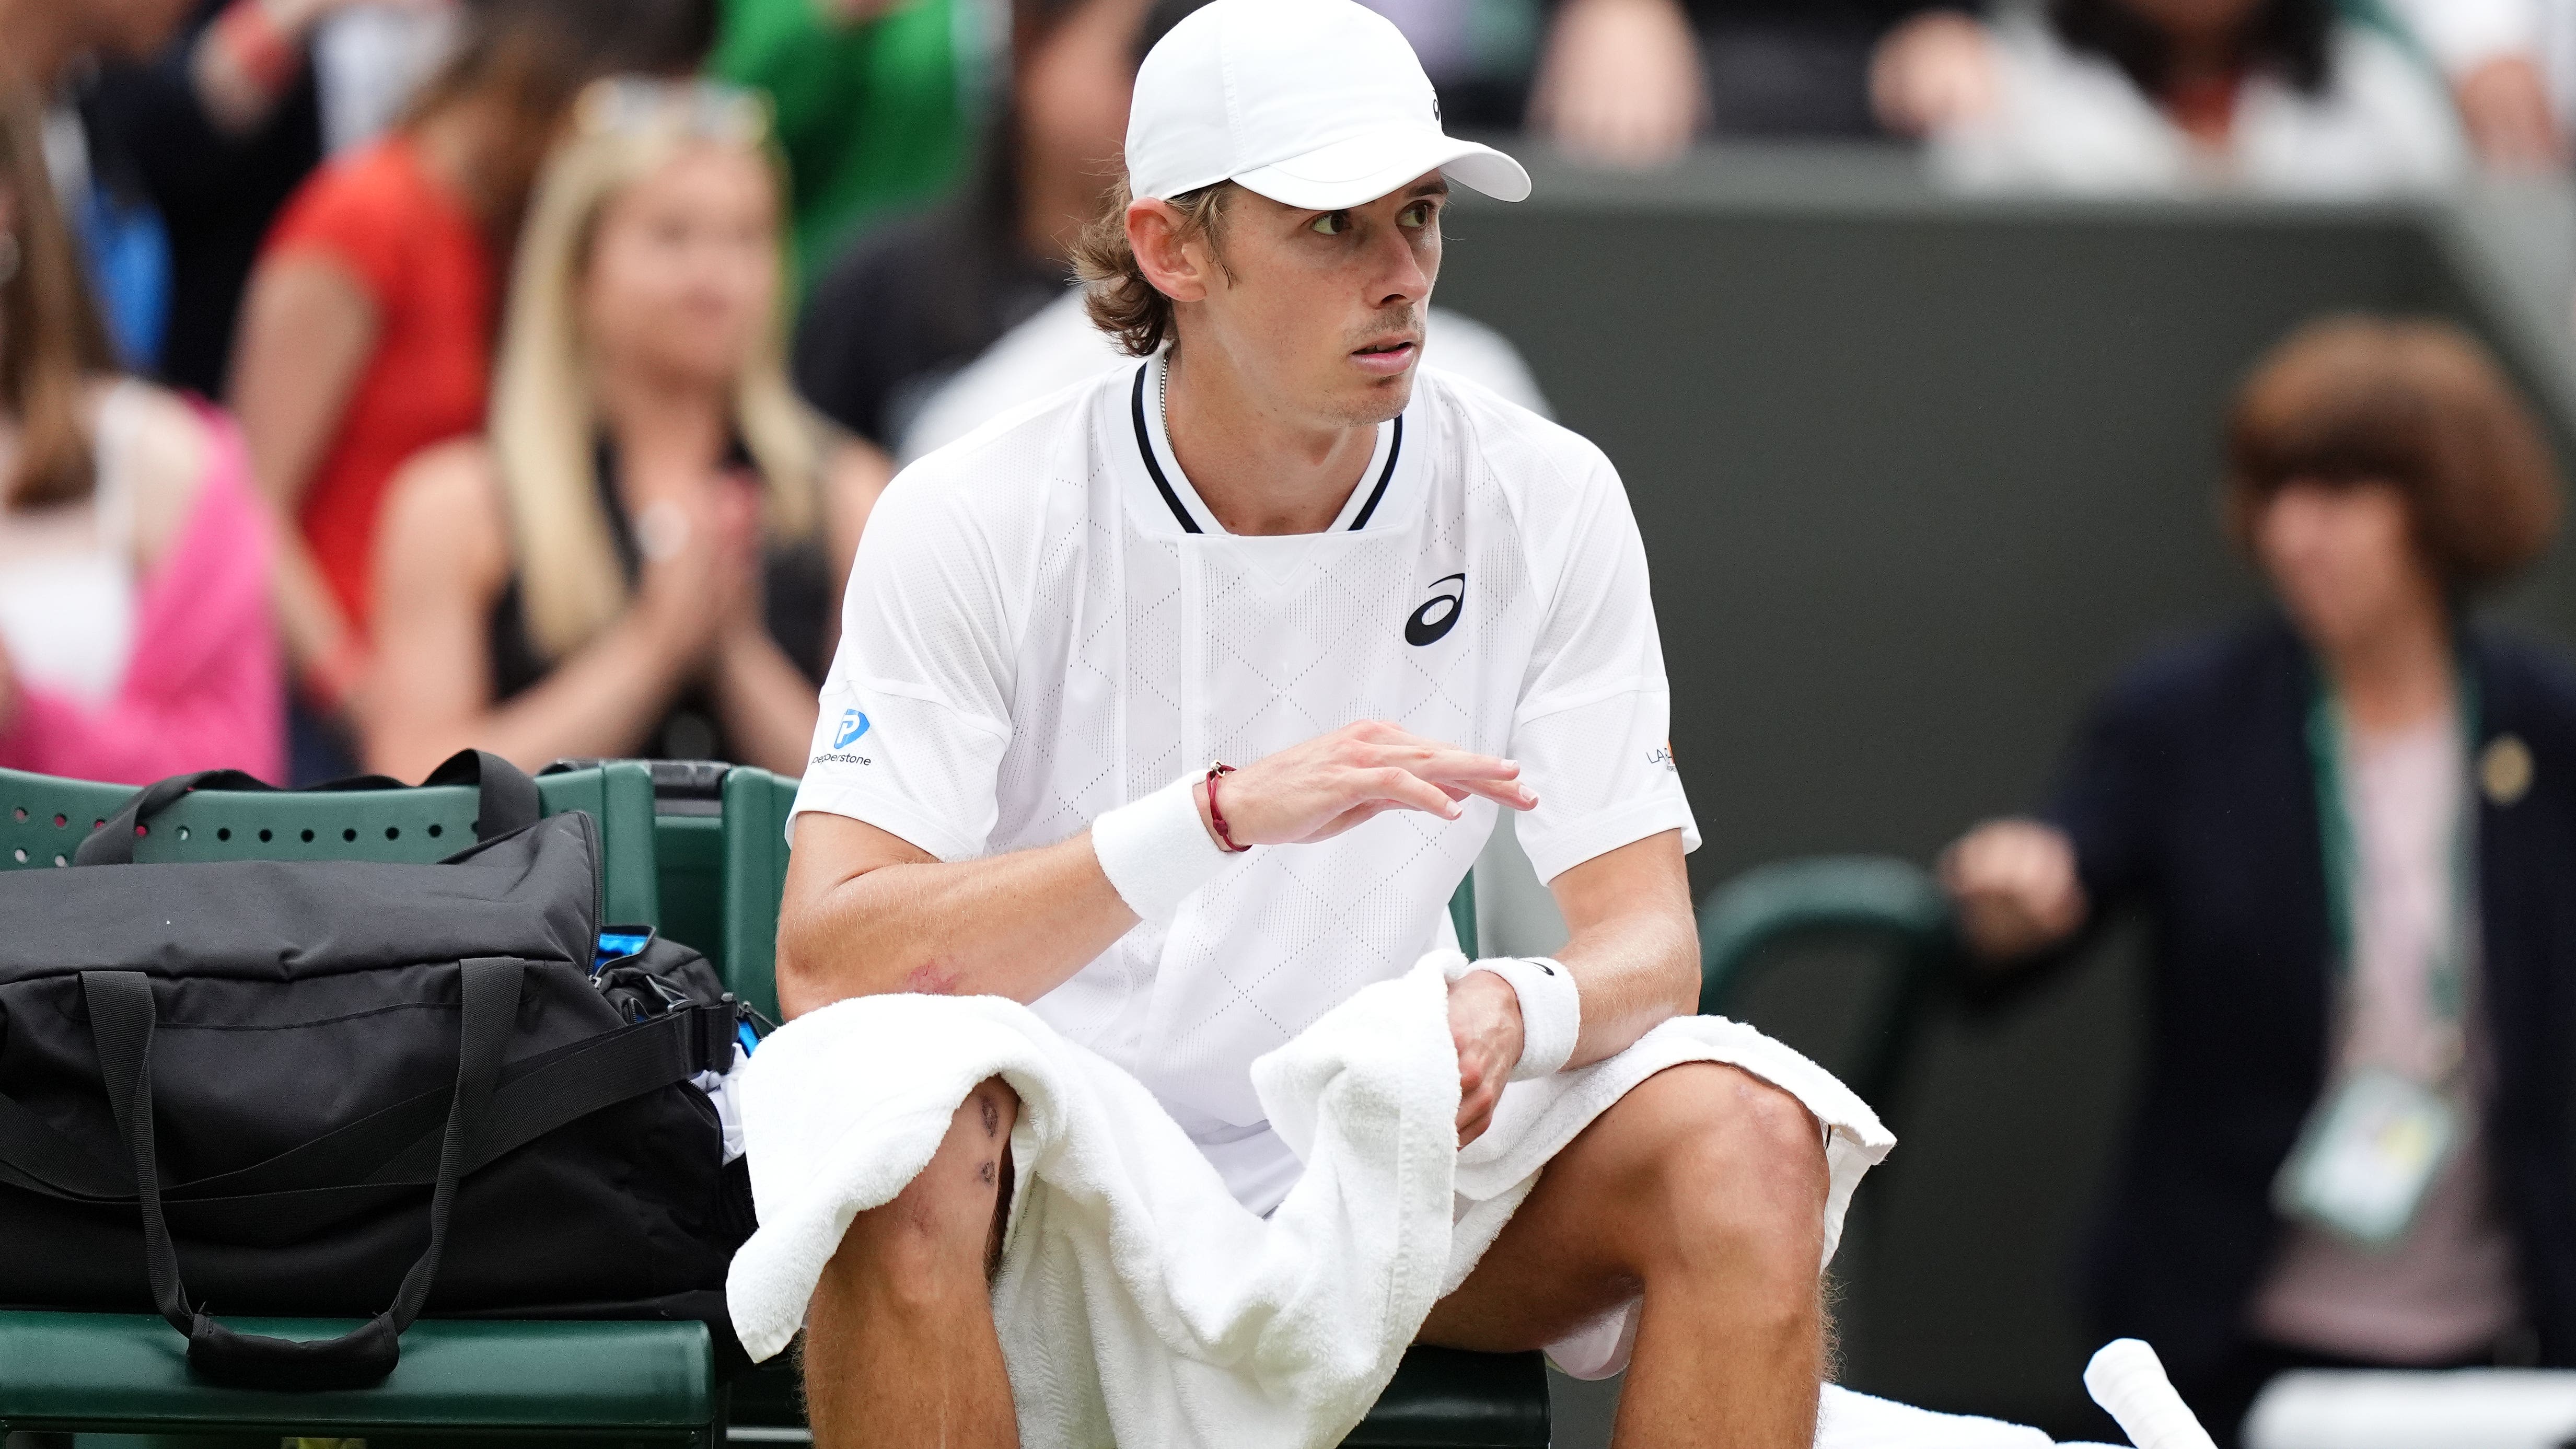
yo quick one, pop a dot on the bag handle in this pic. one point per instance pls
(121, 1018)
(507, 800)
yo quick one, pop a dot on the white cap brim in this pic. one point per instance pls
(1360, 169)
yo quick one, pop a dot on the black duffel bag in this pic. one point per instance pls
(355, 1090)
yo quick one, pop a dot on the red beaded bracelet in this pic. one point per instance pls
(1216, 817)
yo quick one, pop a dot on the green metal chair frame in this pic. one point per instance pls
(1440, 1398)
(105, 1372)
(1891, 902)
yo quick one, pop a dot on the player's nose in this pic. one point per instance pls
(1401, 276)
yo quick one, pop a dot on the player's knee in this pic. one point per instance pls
(932, 1241)
(1739, 1184)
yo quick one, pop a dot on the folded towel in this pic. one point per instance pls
(1846, 1420)
(1138, 1303)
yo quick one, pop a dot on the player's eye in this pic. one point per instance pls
(1417, 216)
(1332, 223)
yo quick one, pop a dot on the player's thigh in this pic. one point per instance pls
(1564, 1258)
(1626, 1197)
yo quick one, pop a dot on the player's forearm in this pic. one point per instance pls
(1634, 949)
(1015, 925)
(1632, 971)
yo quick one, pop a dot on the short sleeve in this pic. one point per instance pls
(351, 212)
(916, 710)
(1593, 728)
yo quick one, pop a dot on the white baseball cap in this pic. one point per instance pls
(1313, 103)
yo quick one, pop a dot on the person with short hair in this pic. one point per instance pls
(1388, 605)
(2350, 823)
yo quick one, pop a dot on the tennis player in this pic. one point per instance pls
(1385, 604)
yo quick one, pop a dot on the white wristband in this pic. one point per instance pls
(1551, 1010)
(1156, 850)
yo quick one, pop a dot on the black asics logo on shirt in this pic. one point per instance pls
(1432, 622)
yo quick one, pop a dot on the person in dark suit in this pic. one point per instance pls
(2351, 826)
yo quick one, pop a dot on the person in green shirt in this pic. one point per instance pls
(876, 104)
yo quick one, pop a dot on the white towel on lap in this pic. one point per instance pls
(1138, 1303)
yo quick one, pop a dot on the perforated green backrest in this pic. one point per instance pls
(42, 820)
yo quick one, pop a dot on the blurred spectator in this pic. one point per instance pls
(645, 554)
(370, 57)
(134, 631)
(53, 47)
(1061, 346)
(2159, 95)
(2350, 826)
(366, 335)
(1629, 82)
(220, 129)
(908, 305)
(1478, 53)
(2512, 67)
(874, 102)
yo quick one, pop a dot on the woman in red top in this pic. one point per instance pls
(366, 334)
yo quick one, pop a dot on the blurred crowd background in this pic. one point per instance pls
(384, 377)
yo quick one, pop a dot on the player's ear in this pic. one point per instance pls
(1177, 269)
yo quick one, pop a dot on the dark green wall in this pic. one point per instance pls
(1915, 476)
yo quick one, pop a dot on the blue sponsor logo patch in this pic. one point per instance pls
(853, 724)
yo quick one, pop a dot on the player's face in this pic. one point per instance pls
(1323, 310)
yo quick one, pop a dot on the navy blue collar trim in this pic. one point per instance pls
(1394, 450)
(1153, 469)
(1163, 485)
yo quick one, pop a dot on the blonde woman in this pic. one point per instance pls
(644, 554)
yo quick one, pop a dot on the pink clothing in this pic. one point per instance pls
(2447, 1289)
(202, 688)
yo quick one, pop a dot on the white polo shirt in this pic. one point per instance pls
(1045, 622)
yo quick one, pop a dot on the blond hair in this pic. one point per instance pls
(1117, 296)
(543, 414)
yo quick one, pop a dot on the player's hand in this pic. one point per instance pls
(1333, 782)
(1485, 1024)
(2016, 888)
